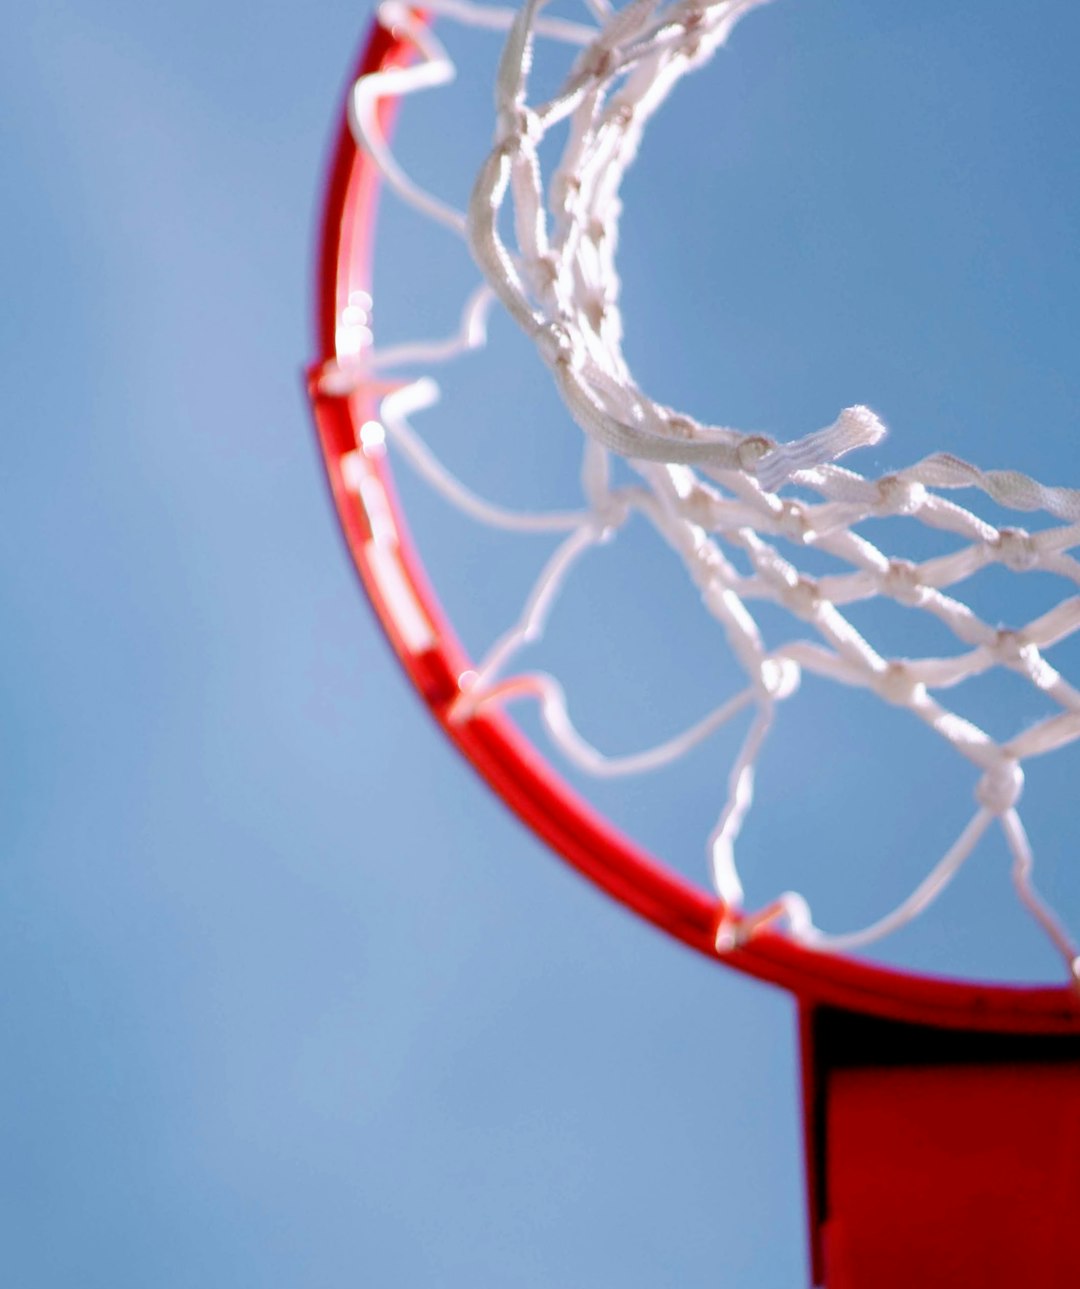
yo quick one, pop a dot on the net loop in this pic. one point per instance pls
(1000, 787)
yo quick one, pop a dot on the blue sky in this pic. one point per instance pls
(290, 1000)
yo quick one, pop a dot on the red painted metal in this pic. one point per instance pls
(942, 1159)
(509, 763)
(954, 1175)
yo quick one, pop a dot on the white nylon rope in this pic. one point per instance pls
(704, 487)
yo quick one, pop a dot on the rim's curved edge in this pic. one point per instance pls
(433, 659)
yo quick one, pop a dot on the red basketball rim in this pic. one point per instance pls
(490, 741)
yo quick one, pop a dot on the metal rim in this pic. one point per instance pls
(509, 764)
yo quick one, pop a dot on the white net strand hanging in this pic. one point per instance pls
(705, 488)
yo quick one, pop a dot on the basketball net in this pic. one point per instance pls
(708, 491)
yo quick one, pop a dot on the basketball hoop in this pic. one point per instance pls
(707, 490)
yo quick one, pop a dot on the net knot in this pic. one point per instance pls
(544, 271)
(679, 426)
(1014, 649)
(751, 450)
(899, 496)
(802, 597)
(902, 583)
(707, 566)
(565, 192)
(597, 231)
(596, 310)
(692, 15)
(516, 126)
(897, 685)
(1016, 549)
(699, 507)
(596, 62)
(793, 522)
(779, 677)
(622, 112)
(557, 345)
(1000, 787)
(609, 514)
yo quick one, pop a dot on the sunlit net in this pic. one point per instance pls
(708, 491)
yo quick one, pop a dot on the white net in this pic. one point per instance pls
(708, 491)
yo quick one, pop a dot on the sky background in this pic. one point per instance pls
(290, 999)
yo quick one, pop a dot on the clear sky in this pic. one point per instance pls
(290, 1000)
